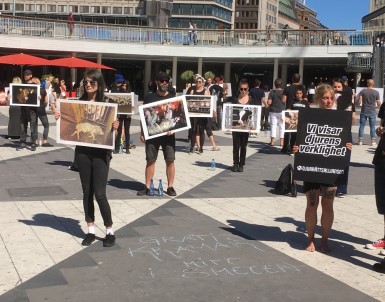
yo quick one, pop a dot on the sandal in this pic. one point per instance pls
(215, 149)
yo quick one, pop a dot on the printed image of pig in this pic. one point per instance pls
(91, 129)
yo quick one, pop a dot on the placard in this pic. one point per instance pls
(25, 95)
(200, 105)
(84, 123)
(241, 118)
(321, 138)
(290, 119)
(159, 117)
(125, 101)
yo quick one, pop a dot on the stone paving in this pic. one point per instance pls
(41, 227)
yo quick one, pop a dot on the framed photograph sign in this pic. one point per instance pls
(162, 116)
(321, 138)
(25, 95)
(85, 123)
(200, 105)
(241, 118)
(126, 102)
(290, 119)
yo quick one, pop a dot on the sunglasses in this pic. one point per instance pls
(92, 83)
(243, 89)
(199, 81)
(164, 81)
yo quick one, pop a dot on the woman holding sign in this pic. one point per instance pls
(93, 166)
(325, 97)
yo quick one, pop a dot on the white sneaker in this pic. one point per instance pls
(359, 143)
(374, 144)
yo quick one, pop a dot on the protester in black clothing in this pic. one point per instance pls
(120, 86)
(256, 93)
(93, 164)
(167, 142)
(311, 93)
(288, 98)
(298, 104)
(240, 139)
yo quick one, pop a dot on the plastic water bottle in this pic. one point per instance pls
(121, 149)
(160, 189)
(212, 165)
(152, 189)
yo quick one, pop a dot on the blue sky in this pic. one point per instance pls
(340, 14)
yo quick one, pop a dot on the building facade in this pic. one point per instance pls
(375, 20)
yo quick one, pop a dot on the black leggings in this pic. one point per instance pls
(127, 122)
(240, 140)
(93, 171)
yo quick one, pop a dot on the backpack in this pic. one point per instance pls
(285, 184)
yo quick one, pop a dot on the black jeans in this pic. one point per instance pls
(44, 121)
(93, 171)
(240, 140)
(127, 123)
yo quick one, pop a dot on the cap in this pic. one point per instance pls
(27, 71)
(119, 78)
(162, 76)
(344, 78)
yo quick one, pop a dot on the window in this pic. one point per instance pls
(95, 9)
(40, 7)
(197, 9)
(84, 9)
(51, 8)
(74, 8)
(8, 6)
(117, 10)
(19, 7)
(62, 8)
(185, 9)
(106, 10)
(30, 7)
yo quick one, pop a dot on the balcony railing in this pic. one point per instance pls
(128, 34)
(359, 61)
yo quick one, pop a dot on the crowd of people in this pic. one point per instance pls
(93, 163)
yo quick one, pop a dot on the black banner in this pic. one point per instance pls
(321, 137)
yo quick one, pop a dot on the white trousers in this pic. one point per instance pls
(276, 120)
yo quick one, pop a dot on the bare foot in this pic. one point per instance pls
(324, 247)
(311, 246)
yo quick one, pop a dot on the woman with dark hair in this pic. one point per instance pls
(93, 164)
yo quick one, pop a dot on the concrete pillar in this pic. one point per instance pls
(227, 72)
(147, 75)
(99, 58)
(284, 74)
(174, 70)
(357, 79)
(275, 72)
(301, 65)
(73, 72)
(200, 64)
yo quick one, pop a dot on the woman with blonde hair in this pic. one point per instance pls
(325, 97)
(14, 115)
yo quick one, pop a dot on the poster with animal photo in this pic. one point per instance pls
(290, 119)
(241, 118)
(125, 101)
(84, 123)
(162, 116)
(200, 105)
(25, 95)
(322, 155)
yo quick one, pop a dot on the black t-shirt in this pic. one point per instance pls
(154, 97)
(289, 92)
(217, 90)
(256, 94)
(298, 105)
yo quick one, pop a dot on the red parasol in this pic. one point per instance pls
(22, 59)
(73, 62)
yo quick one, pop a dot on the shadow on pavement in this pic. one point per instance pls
(64, 163)
(122, 184)
(62, 224)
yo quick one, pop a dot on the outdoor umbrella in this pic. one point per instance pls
(73, 62)
(23, 59)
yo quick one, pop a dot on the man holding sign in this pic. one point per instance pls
(321, 160)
